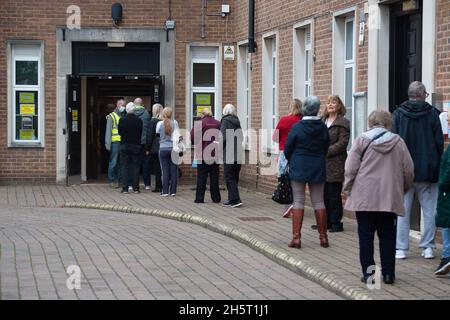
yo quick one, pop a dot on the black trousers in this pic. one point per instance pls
(333, 202)
(231, 172)
(203, 170)
(131, 155)
(385, 224)
(155, 168)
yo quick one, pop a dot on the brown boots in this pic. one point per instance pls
(297, 221)
(321, 219)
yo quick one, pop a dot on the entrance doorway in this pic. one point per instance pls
(100, 96)
(405, 53)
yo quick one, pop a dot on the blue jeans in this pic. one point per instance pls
(445, 242)
(169, 171)
(114, 169)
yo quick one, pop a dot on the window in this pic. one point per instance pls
(204, 81)
(270, 90)
(349, 66)
(244, 90)
(344, 63)
(26, 95)
(303, 57)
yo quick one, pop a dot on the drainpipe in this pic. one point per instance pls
(251, 26)
(203, 18)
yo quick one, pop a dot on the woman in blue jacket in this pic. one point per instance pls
(306, 149)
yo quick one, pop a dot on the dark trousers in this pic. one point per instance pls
(169, 172)
(333, 202)
(146, 169)
(202, 176)
(385, 224)
(130, 161)
(231, 172)
(155, 168)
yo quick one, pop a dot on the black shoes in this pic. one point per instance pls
(157, 190)
(336, 227)
(234, 204)
(443, 268)
(387, 279)
(124, 190)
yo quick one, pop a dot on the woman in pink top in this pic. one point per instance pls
(280, 136)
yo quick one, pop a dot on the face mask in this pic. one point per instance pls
(121, 109)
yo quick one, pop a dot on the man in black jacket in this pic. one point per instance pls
(417, 122)
(130, 131)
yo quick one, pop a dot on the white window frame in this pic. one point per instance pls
(300, 47)
(14, 55)
(270, 83)
(244, 89)
(340, 63)
(217, 81)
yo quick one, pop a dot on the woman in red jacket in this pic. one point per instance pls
(280, 136)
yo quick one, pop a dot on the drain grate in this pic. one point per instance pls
(256, 219)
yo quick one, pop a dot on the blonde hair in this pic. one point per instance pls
(156, 110)
(206, 112)
(380, 119)
(340, 110)
(295, 107)
(167, 115)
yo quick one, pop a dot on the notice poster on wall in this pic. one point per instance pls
(26, 97)
(202, 101)
(27, 109)
(27, 135)
(27, 123)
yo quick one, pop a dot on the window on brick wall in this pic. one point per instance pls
(204, 82)
(344, 63)
(26, 112)
(270, 92)
(303, 57)
(244, 90)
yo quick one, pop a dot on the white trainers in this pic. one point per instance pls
(164, 194)
(427, 253)
(130, 189)
(400, 254)
(148, 187)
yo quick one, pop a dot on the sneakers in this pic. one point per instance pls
(444, 267)
(130, 189)
(427, 253)
(148, 187)
(287, 213)
(164, 194)
(124, 190)
(173, 194)
(137, 191)
(233, 204)
(400, 254)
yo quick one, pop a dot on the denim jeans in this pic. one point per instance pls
(445, 242)
(114, 168)
(427, 194)
(169, 172)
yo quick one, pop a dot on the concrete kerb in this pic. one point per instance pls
(281, 257)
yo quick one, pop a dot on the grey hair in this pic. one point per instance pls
(229, 109)
(380, 119)
(416, 90)
(138, 101)
(311, 106)
(156, 110)
(130, 107)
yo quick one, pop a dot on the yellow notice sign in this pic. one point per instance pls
(26, 97)
(201, 108)
(27, 109)
(26, 134)
(74, 115)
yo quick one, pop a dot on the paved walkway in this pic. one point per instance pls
(415, 279)
(133, 257)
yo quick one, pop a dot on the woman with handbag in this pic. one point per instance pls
(280, 136)
(378, 172)
(305, 149)
(167, 129)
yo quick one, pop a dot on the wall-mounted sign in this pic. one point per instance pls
(410, 5)
(228, 52)
(202, 100)
(27, 135)
(27, 109)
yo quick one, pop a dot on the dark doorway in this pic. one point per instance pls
(406, 52)
(102, 95)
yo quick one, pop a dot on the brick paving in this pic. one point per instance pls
(415, 278)
(133, 257)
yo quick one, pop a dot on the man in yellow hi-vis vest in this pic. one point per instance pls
(112, 143)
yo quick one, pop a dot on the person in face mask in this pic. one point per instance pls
(112, 143)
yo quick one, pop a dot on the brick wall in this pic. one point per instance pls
(38, 20)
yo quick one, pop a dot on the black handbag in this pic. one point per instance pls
(283, 192)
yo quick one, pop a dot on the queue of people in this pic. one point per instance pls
(399, 156)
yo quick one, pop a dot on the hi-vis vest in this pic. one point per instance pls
(115, 137)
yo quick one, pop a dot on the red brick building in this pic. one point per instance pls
(57, 77)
